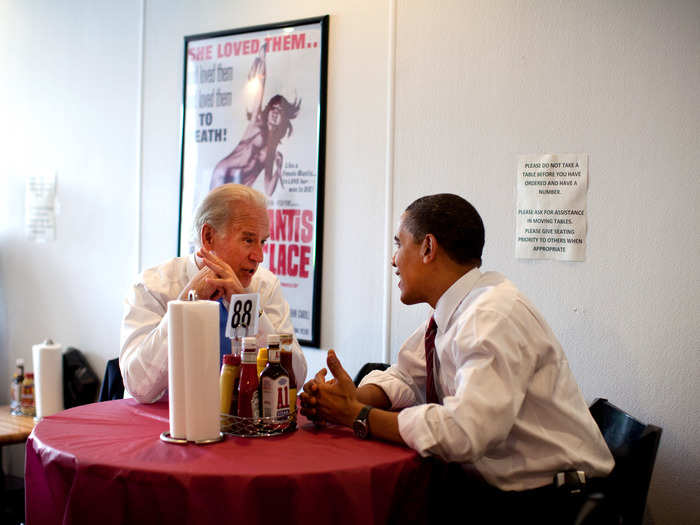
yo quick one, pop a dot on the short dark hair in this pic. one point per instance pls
(454, 222)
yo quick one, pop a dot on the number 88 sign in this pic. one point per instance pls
(243, 315)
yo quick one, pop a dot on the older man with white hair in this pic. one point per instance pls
(231, 226)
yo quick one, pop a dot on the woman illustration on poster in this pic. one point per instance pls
(257, 149)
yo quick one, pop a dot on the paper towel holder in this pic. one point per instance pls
(165, 436)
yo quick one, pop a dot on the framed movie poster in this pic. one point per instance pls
(254, 113)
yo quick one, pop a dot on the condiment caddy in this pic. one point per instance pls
(258, 391)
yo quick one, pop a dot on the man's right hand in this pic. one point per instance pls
(309, 398)
(203, 289)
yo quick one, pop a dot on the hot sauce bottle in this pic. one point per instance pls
(27, 399)
(286, 341)
(274, 384)
(248, 402)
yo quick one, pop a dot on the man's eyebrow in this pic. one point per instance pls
(396, 238)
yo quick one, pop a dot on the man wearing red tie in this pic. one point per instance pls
(483, 383)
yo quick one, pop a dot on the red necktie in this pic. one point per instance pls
(430, 392)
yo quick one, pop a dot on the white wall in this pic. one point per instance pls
(68, 99)
(618, 81)
(477, 83)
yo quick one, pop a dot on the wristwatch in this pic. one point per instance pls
(361, 424)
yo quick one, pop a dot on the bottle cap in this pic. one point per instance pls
(286, 339)
(250, 342)
(29, 375)
(273, 339)
(232, 359)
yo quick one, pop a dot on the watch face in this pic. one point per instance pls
(360, 428)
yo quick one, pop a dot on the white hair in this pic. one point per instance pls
(219, 207)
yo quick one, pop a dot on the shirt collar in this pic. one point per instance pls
(448, 302)
(191, 267)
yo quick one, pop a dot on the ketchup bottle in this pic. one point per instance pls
(248, 402)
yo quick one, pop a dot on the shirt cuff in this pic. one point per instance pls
(414, 428)
(400, 394)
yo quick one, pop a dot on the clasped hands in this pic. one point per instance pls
(335, 400)
(214, 280)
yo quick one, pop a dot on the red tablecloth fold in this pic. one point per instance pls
(104, 463)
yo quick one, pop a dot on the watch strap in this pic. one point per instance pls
(361, 424)
(362, 415)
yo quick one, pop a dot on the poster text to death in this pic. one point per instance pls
(250, 46)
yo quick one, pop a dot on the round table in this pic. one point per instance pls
(104, 463)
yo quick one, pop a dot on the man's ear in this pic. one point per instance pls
(429, 248)
(208, 233)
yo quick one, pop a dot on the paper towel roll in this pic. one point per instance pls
(48, 378)
(193, 369)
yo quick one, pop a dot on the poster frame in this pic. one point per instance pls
(323, 22)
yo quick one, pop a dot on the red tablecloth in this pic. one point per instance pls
(104, 463)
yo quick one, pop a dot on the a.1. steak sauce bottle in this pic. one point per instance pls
(274, 384)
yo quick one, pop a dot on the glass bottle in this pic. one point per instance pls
(274, 384)
(27, 399)
(228, 382)
(286, 358)
(16, 389)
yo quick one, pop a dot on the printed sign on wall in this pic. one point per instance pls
(40, 208)
(551, 210)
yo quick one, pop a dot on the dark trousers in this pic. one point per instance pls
(457, 496)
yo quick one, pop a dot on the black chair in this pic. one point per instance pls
(633, 445)
(367, 368)
(112, 383)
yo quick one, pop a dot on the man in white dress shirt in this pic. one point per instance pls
(484, 383)
(231, 226)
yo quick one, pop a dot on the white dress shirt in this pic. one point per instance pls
(143, 358)
(510, 404)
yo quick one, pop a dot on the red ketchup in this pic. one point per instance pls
(248, 401)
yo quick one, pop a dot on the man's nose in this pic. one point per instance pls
(393, 260)
(257, 254)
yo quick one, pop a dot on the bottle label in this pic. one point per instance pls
(255, 404)
(275, 398)
(27, 399)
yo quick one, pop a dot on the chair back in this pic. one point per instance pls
(112, 383)
(367, 368)
(634, 446)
